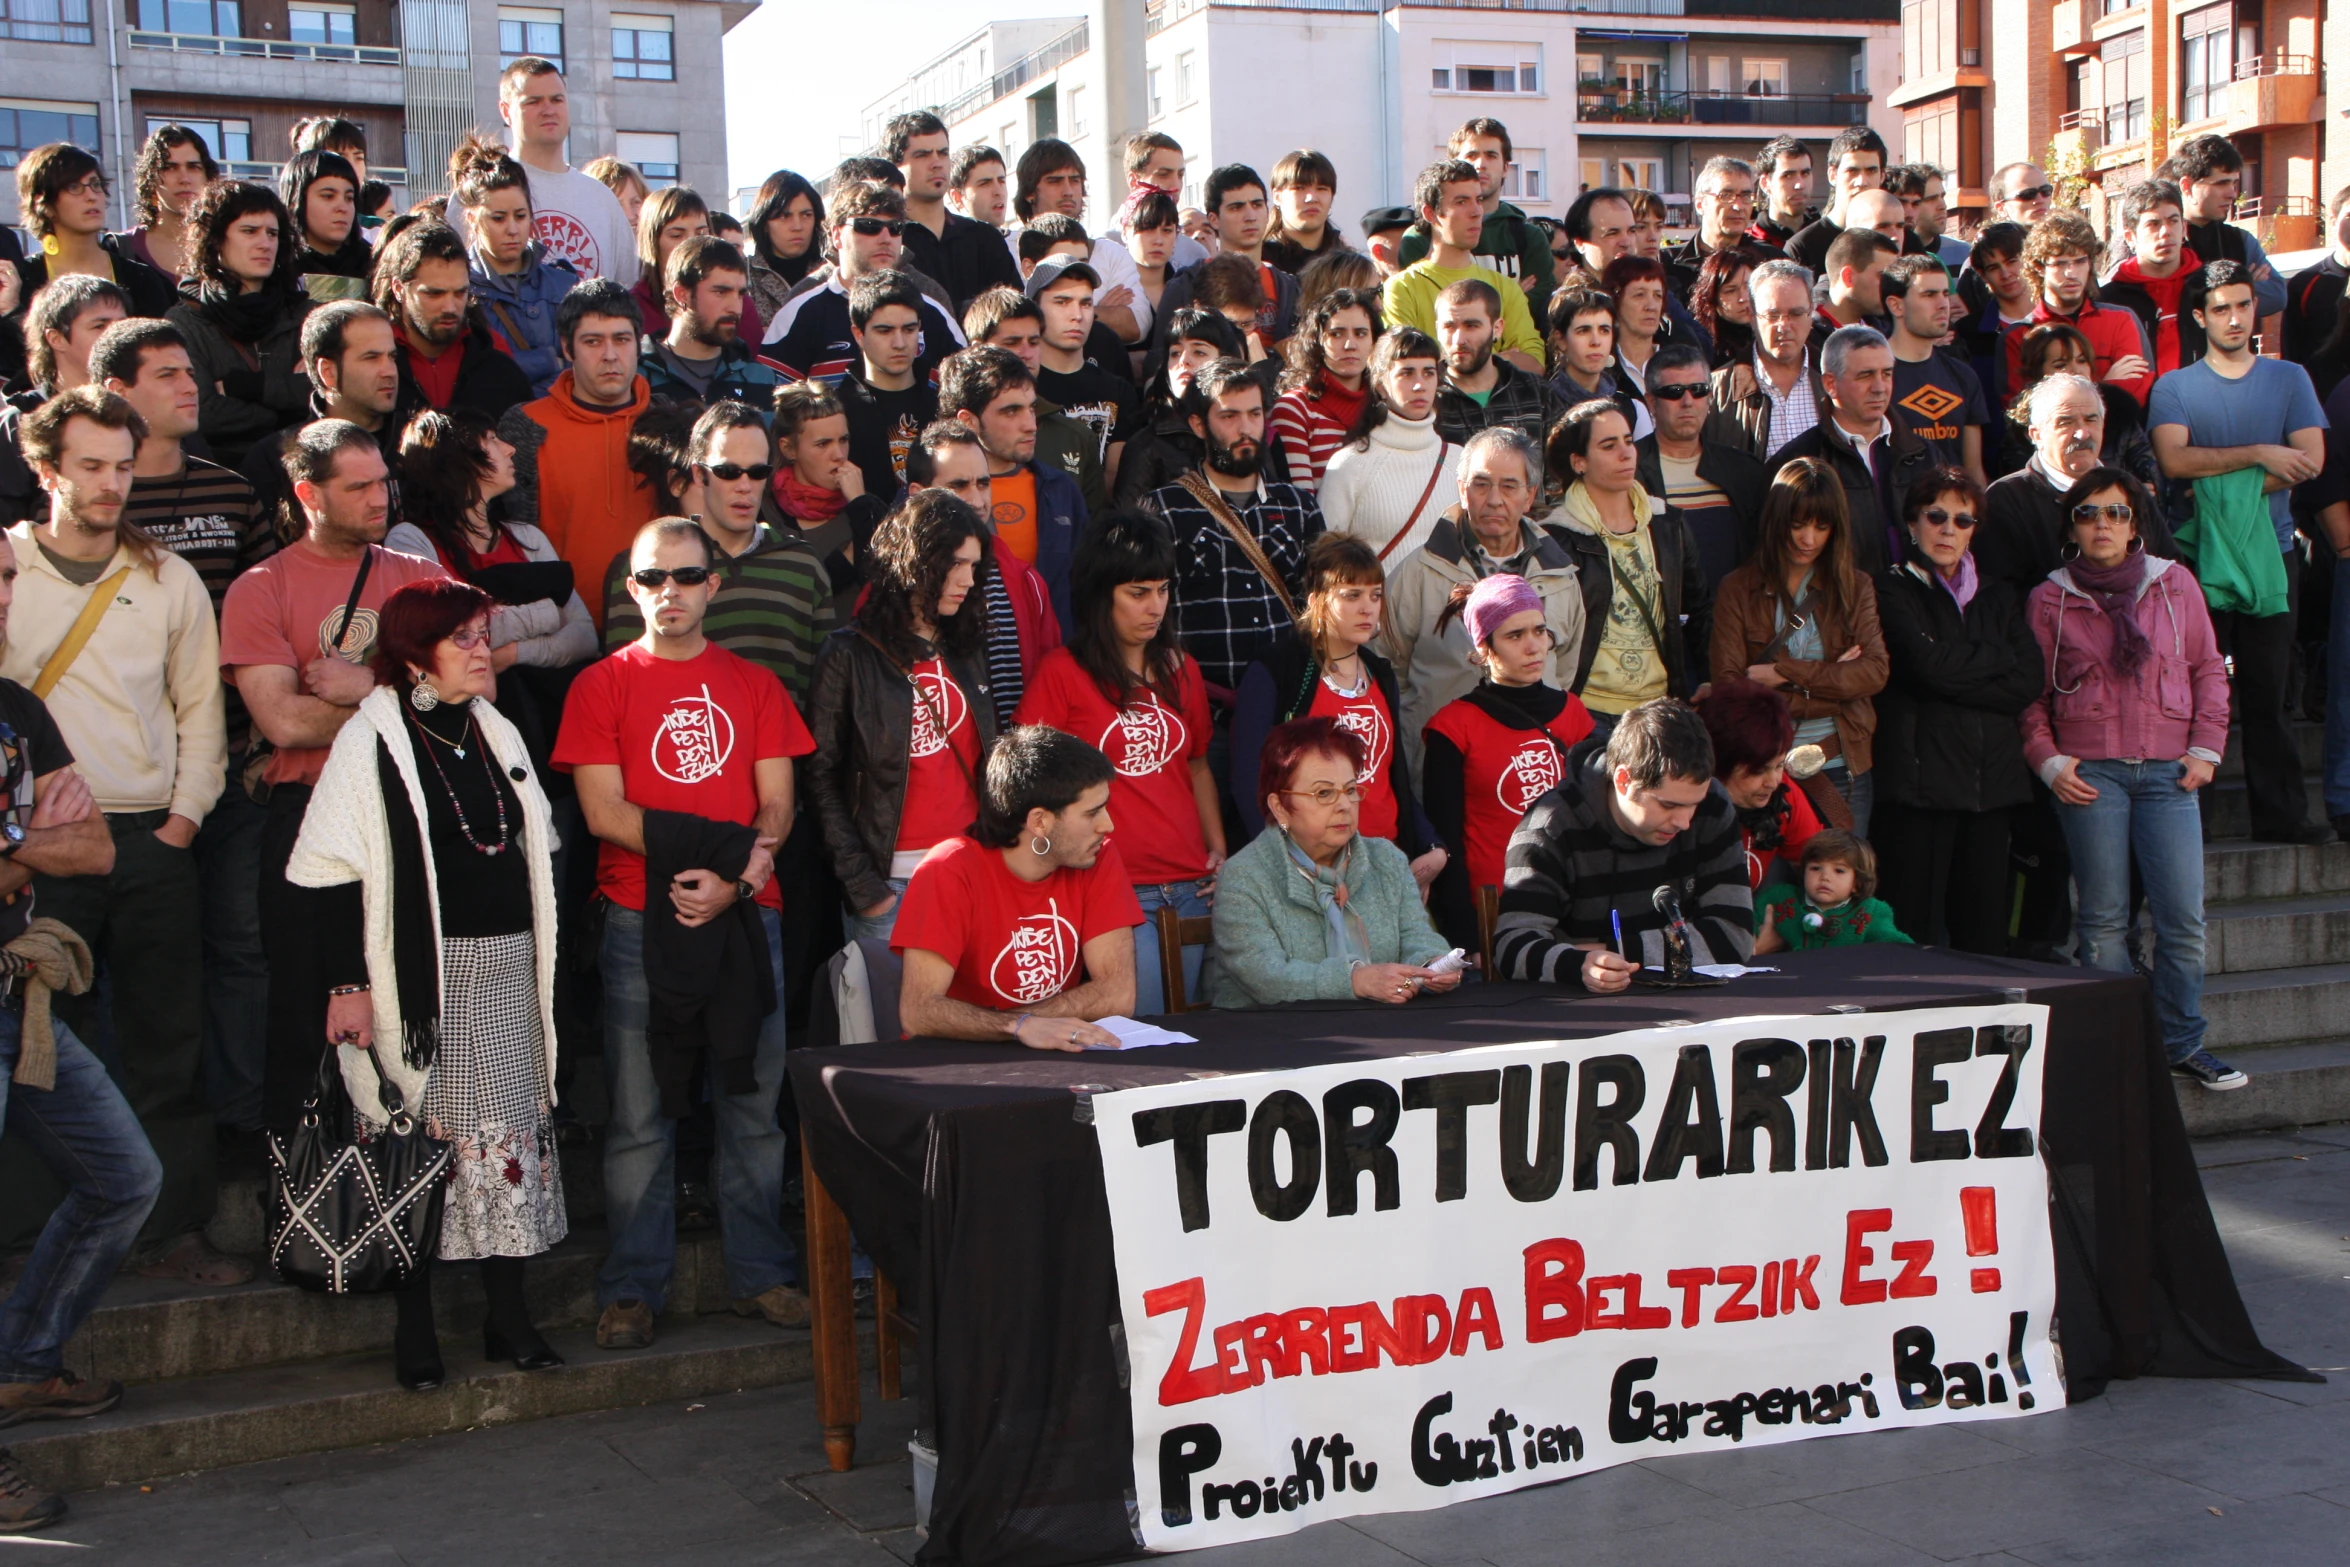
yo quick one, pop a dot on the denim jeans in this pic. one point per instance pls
(640, 1143)
(1603, 725)
(878, 926)
(236, 970)
(83, 1130)
(1860, 795)
(2337, 752)
(2140, 810)
(1150, 979)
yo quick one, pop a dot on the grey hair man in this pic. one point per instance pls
(1767, 403)
(2021, 528)
(1875, 459)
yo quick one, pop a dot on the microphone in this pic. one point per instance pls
(1680, 940)
(1666, 900)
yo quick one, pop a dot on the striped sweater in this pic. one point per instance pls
(1569, 865)
(1310, 424)
(774, 607)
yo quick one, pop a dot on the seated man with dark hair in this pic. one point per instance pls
(1638, 812)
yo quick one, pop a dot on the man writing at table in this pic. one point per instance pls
(1636, 813)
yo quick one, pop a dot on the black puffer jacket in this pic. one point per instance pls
(1947, 738)
(861, 711)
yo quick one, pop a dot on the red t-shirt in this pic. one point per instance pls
(436, 378)
(686, 735)
(939, 803)
(288, 610)
(1014, 944)
(1152, 808)
(1504, 769)
(1368, 717)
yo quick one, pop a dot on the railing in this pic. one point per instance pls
(266, 48)
(2275, 63)
(1019, 73)
(266, 173)
(1161, 14)
(2089, 122)
(2251, 208)
(1708, 108)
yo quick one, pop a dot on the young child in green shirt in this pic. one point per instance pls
(1836, 907)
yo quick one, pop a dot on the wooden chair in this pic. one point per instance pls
(1175, 933)
(1488, 911)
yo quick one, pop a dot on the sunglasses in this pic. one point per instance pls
(1675, 394)
(1937, 517)
(656, 576)
(2033, 193)
(2112, 511)
(893, 227)
(731, 471)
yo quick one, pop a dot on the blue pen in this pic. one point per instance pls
(1617, 921)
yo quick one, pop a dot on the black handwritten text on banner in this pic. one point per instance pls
(1397, 1284)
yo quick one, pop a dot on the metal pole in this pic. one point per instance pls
(122, 180)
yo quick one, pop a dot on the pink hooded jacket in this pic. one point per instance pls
(2176, 705)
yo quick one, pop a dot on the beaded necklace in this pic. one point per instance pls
(505, 831)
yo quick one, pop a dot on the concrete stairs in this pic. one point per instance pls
(264, 1370)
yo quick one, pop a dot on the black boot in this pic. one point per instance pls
(416, 1346)
(507, 1333)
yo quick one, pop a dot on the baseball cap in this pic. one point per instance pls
(1054, 268)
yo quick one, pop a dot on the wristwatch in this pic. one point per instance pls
(744, 892)
(11, 836)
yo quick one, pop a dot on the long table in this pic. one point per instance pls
(971, 1174)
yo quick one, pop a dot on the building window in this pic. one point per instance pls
(641, 48)
(1487, 68)
(1524, 181)
(231, 141)
(201, 18)
(1152, 84)
(1640, 78)
(2205, 64)
(1186, 83)
(1929, 37)
(1593, 173)
(322, 24)
(1764, 78)
(26, 123)
(654, 153)
(2124, 59)
(46, 22)
(1930, 134)
(1076, 130)
(1640, 173)
(526, 30)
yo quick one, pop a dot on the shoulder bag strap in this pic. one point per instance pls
(928, 706)
(1443, 451)
(351, 604)
(77, 636)
(1203, 492)
(1648, 615)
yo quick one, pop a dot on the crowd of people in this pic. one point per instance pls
(398, 600)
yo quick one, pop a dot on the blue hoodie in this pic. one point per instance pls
(522, 309)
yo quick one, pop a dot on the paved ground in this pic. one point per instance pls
(2154, 1472)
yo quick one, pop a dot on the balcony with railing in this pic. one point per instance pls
(267, 49)
(2079, 135)
(1607, 103)
(1018, 74)
(2284, 223)
(2270, 91)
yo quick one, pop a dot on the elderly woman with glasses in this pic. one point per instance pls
(2129, 723)
(1950, 760)
(1313, 910)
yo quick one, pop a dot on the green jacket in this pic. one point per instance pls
(1519, 251)
(2231, 542)
(1273, 940)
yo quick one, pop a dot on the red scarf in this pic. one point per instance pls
(1340, 406)
(805, 502)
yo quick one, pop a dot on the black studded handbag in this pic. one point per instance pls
(351, 1215)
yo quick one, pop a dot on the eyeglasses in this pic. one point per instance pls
(1935, 516)
(470, 637)
(87, 185)
(2111, 511)
(731, 471)
(893, 227)
(1328, 795)
(1681, 392)
(656, 576)
(2033, 193)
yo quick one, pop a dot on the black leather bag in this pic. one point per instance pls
(351, 1217)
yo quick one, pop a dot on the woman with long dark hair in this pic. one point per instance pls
(518, 285)
(1720, 303)
(901, 709)
(175, 167)
(1124, 685)
(1164, 449)
(241, 313)
(1391, 480)
(321, 192)
(1798, 618)
(1327, 384)
(436, 844)
(786, 230)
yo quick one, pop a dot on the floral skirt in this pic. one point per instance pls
(488, 1095)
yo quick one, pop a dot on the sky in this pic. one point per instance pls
(797, 71)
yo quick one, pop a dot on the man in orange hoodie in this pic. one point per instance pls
(571, 473)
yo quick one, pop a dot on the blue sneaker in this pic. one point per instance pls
(2209, 1070)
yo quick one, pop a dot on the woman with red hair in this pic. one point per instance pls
(1752, 731)
(437, 945)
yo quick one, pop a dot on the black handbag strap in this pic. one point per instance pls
(330, 1078)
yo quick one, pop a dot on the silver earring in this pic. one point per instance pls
(1040, 846)
(422, 696)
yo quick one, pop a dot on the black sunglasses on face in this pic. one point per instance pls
(1674, 394)
(2090, 511)
(731, 471)
(893, 227)
(656, 576)
(2033, 193)
(1938, 517)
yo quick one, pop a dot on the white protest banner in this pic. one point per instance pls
(1388, 1285)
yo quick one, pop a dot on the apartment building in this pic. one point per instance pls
(1594, 91)
(644, 79)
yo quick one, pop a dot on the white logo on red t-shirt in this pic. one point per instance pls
(936, 694)
(1366, 719)
(568, 238)
(1038, 961)
(1530, 775)
(693, 739)
(1143, 739)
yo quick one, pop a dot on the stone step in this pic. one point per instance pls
(2291, 1085)
(2276, 1006)
(242, 1417)
(2276, 933)
(2238, 870)
(2227, 812)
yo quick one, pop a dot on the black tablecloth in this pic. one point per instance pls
(971, 1181)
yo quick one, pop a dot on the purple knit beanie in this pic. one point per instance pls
(1493, 601)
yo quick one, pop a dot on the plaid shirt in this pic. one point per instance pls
(1224, 609)
(1525, 402)
(1792, 414)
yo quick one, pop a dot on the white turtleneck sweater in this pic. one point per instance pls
(1370, 492)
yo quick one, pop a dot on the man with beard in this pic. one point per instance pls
(352, 357)
(1227, 609)
(1481, 390)
(704, 359)
(1035, 508)
(448, 357)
